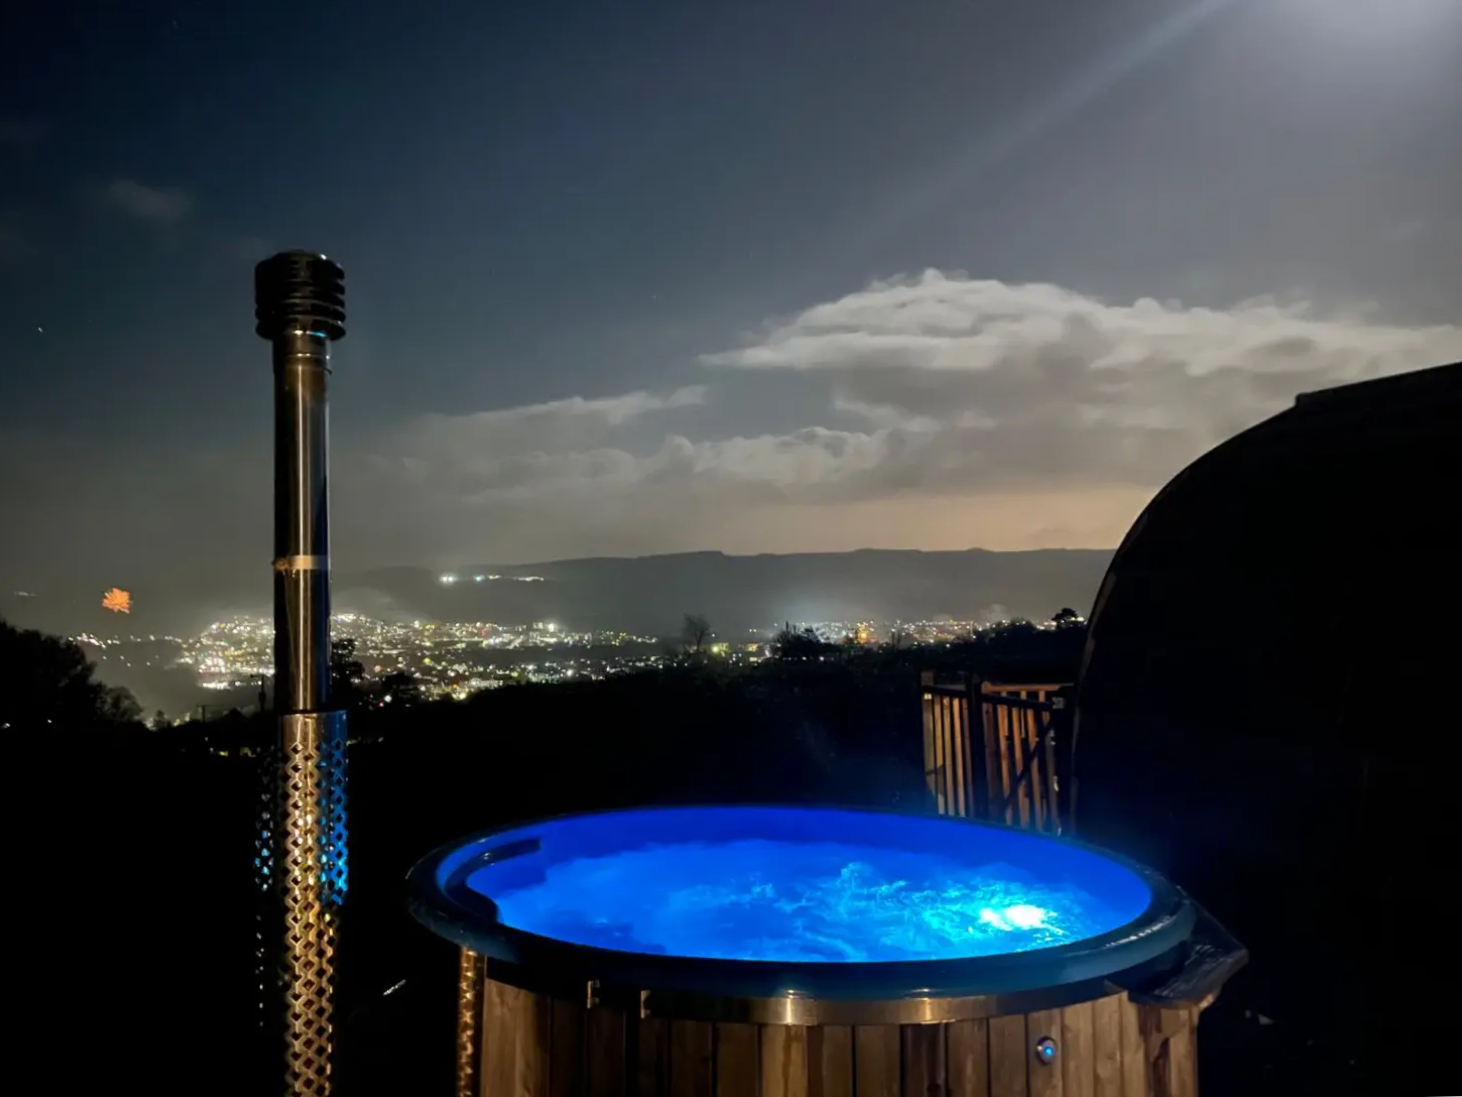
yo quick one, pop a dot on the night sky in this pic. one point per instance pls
(755, 276)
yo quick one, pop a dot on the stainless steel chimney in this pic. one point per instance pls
(300, 308)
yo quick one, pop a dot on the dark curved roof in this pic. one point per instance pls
(1297, 566)
(1267, 706)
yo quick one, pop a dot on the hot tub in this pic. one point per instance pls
(771, 951)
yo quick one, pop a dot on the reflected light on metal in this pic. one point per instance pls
(301, 845)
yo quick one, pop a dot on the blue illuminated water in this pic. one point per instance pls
(807, 885)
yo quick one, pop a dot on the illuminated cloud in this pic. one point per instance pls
(946, 383)
(1053, 417)
(934, 412)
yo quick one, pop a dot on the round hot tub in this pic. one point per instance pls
(767, 950)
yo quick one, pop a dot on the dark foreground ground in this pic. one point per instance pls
(131, 930)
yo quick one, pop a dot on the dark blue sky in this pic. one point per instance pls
(543, 201)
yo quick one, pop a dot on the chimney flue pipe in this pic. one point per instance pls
(300, 309)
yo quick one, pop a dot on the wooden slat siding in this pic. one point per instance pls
(784, 1065)
(1183, 1056)
(1019, 731)
(1002, 761)
(1041, 805)
(1046, 1079)
(941, 767)
(566, 1049)
(923, 1061)
(1052, 790)
(1134, 1051)
(692, 1059)
(876, 1060)
(1010, 1054)
(738, 1061)
(930, 700)
(502, 1028)
(967, 1058)
(654, 1057)
(963, 807)
(990, 736)
(536, 1046)
(1078, 1066)
(1106, 1039)
(605, 1053)
(830, 1059)
(1168, 1044)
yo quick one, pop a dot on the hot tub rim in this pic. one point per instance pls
(1148, 941)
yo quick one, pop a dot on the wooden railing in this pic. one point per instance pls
(991, 749)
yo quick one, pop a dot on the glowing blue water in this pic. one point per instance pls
(816, 900)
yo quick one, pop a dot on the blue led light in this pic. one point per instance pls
(791, 885)
(1046, 1050)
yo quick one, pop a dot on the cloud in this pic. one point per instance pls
(932, 389)
(164, 205)
(1009, 384)
(934, 412)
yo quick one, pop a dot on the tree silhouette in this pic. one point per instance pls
(790, 643)
(50, 683)
(694, 633)
(1066, 617)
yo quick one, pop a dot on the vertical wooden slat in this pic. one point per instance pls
(1106, 1043)
(930, 701)
(1078, 1051)
(830, 1060)
(784, 1061)
(654, 1059)
(1183, 1056)
(1009, 1055)
(990, 734)
(515, 1042)
(537, 1045)
(961, 755)
(1046, 1079)
(1020, 721)
(967, 1058)
(566, 1049)
(605, 1053)
(951, 762)
(1134, 1051)
(497, 1069)
(1009, 765)
(1032, 720)
(876, 1059)
(1054, 821)
(692, 1059)
(738, 1069)
(939, 773)
(923, 1060)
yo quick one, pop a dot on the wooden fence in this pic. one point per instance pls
(991, 749)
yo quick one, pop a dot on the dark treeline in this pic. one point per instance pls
(136, 845)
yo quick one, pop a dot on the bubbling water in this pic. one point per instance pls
(756, 899)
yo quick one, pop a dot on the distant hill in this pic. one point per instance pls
(650, 594)
(646, 594)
